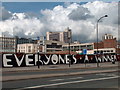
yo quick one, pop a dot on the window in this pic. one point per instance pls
(29, 48)
(104, 51)
(108, 51)
(111, 50)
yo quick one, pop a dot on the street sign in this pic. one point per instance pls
(84, 51)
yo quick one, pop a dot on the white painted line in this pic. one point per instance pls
(102, 74)
(75, 78)
(57, 80)
(67, 83)
(106, 74)
(111, 75)
(66, 79)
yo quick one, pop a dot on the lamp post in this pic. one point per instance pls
(97, 37)
(38, 48)
(69, 52)
(69, 41)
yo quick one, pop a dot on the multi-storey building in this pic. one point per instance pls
(26, 45)
(65, 36)
(79, 47)
(55, 36)
(108, 41)
(24, 40)
(46, 47)
(53, 46)
(7, 44)
(118, 48)
(28, 48)
(107, 45)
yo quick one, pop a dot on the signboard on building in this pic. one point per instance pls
(84, 51)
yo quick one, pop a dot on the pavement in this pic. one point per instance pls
(56, 67)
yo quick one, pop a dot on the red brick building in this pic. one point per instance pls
(108, 41)
(118, 48)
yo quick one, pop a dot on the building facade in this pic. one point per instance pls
(28, 48)
(7, 44)
(53, 46)
(107, 45)
(79, 47)
(48, 46)
(25, 40)
(108, 41)
(118, 48)
(65, 36)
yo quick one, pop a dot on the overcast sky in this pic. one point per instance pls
(32, 19)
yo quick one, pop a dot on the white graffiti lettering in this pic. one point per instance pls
(75, 60)
(61, 59)
(19, 61)
(48, 59)
(5, 62)
(28, 60)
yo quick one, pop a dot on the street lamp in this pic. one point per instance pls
(69, 38)
(69, 52)
(97, 37)
(38, 48)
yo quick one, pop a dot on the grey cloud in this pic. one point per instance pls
(32, 15)
(80, 13)
(5, 14)
(6, 33)
(19, 32)
(8, 15)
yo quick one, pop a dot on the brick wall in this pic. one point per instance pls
(108, 43)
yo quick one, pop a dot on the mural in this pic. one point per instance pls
(23, 60)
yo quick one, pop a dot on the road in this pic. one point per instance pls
(99, 80)
(55, 71)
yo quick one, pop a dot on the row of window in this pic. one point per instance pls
(29, 51)
(54, 46)
(7, 50)
(7, 47)
(104, 51)
(22, 47)
(79, 47)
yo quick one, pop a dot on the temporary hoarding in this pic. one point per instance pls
(23, 60)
